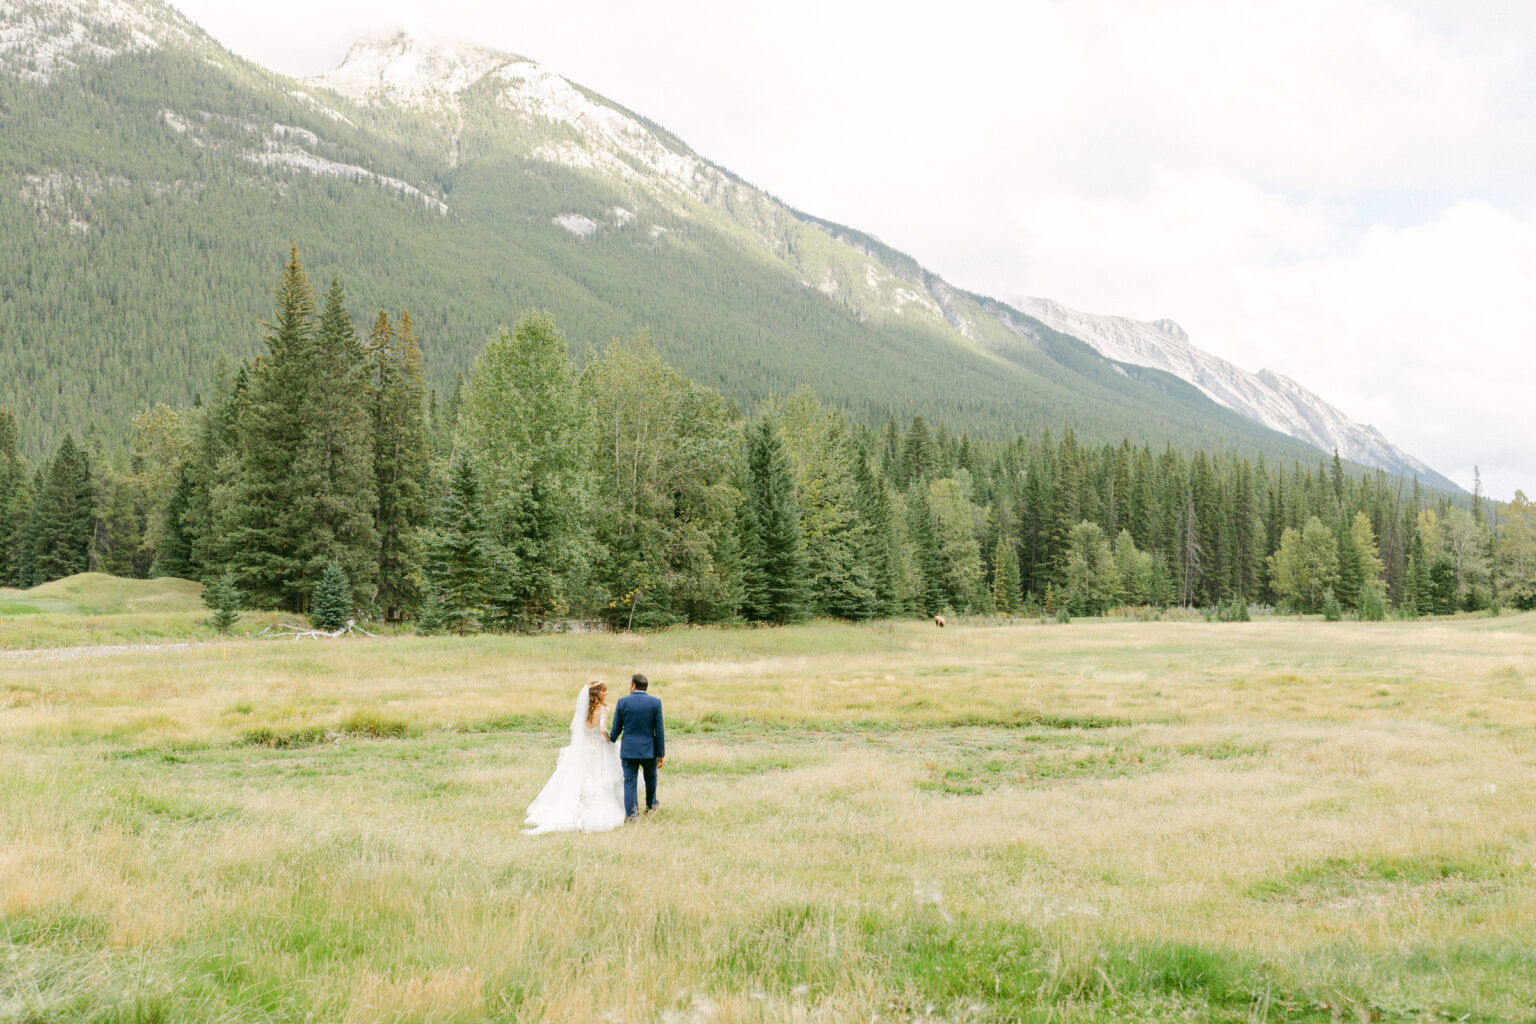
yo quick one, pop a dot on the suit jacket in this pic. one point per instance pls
(637, 718)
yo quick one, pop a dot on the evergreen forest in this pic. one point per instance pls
(324, 476)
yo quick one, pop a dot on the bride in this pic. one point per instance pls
(586, 792)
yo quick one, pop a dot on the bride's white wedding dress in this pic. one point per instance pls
(586, 792)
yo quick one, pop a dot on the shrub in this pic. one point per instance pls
(1332, 610)
(374, 725)
(283, 739)
(1373, 605)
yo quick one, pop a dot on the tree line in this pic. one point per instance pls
(326, 473)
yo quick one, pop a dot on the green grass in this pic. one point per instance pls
(95, 608)
(1130, 822)
(95, 593)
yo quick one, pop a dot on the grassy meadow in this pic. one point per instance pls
(95, 609)
(1101, 821)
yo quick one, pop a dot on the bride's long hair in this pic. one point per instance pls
(596, 698)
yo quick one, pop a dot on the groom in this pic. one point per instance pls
(638, 718)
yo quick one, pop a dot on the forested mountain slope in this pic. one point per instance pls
(151, 183)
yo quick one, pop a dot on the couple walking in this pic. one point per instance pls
(594, 786)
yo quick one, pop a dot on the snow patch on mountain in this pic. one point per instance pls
(40, 38)
(291, 148)
(1266, 397)
(576, 224)
(279, 154)
(406, 71)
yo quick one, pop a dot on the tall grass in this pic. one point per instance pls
(1135, 821)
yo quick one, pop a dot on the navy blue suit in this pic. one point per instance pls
(637, 718)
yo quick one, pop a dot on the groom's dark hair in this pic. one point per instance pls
(639, 681)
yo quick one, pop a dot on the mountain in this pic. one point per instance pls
(1265, 397)
(151, 182)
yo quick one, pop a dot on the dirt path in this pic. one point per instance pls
(93, 650)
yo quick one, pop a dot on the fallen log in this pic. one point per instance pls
(299, 632)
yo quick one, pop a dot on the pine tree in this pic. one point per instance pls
(1351, 579)
(776, 573)
(402, 452)
(223, 597)
(1418, 593)
(1007, 597)
(459, 557)
(213, 463)
(63, 516)
(818, 448)
(954, 523)
(15, 501)
(174, 555)
(330, 603)
(335, 494)
(918, 459)
(118, 528)
(26, 557)
(259, 533)
(923, 535)
(881, 554)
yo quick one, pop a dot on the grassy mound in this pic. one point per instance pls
(96, 593)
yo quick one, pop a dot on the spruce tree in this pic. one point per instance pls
(776, 574)
(26, 556)
(213, 464)
(330, 604)
(1419, 595)
(918, 458)
(15, 501)
(1351, 579)
(402, 449)
(820, 457)
(335, 494)
(459, 556)
(259, 532)
(1007, 597)
(881, 554)
(63, 516)
(118, 532)
(174, 556)
(923, 535)
(223, 598)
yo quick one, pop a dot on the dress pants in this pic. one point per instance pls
(632, 767)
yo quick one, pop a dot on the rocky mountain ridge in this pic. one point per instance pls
(1265, 397)
(414, 73)
(509, 158)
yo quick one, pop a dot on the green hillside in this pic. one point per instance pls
(148, 200)
(95, 593)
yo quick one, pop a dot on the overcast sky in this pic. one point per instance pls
(1341, 190)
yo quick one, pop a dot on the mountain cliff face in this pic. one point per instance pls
(158, 179)
(1265, 397)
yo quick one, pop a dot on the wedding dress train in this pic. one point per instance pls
(586, 791)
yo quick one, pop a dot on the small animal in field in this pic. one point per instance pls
(938, 620)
